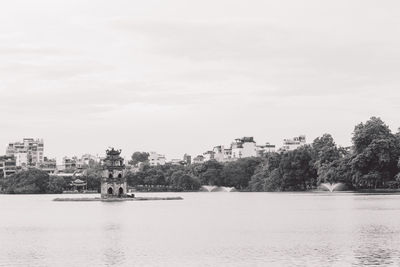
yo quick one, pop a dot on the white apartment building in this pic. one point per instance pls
(7, 166)
(177, 162)
(156, 159)
(219, 153)
(264, 149)
(293, 143)
(198, 159)
(243, 148)
(209, 155)
(49, 166)
(29, 152)
(21, 158)
(74, 162)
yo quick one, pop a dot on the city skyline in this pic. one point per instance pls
(176, 77)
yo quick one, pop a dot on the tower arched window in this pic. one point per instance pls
(110, 175)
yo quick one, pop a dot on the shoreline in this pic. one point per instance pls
(85, 199)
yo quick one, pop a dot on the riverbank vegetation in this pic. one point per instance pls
(372, 162)
(35, 181)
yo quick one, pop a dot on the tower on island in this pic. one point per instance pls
(113, 182)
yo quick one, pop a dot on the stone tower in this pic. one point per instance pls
(113, 182)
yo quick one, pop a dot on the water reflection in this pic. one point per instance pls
(374, 246)
(236, 229)
(113, 252)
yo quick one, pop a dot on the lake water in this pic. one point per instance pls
(204, 229)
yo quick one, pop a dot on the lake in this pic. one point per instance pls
(204, 229)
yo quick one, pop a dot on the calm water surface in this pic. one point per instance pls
(204, 229)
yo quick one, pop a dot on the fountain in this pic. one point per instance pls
(213, 188)
(332, 187)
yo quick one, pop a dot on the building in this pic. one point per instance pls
(49, 165)
(198, 159)
(75, 163)
(29, 152)
(265, 149)
(88, 159)
(156, 159)
(113, 181)
(219, 153)
(69, 163)
(208, 155)
(243, 148)
(293, 143)
(228, 154)
(177, 162)
(8, 166)
(187, 158)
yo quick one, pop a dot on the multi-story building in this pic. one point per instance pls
(69, 163)
(29, 152)
(49, 165)
(87, 159)
(228, 154)
(264, 149)
(177, 162)
(187, 158)
(156, 159)
(222, 154)
(75, 163)
(243, 148)
(293, 143)
(208, 155)
(219, 153)
(8, 166)
(198, 159)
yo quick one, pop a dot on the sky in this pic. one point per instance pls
(182, 76)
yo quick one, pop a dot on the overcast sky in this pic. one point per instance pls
(182, 76)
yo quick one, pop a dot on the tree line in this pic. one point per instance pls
(371, 162)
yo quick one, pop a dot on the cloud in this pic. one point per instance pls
(297, 61)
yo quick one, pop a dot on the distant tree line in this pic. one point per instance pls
(371, 162)
(35, 181)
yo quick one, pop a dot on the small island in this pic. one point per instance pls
(113, 182)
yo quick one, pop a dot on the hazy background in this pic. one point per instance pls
(182, 76)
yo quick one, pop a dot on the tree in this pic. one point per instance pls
(297, 170)
(138, 157)
(376, 153)
(32, 181)
(210, 173)
(324, 152)
(184, 181)
(93, 177)
(338, 171)
(274, 181)
(239, 173)
(257, 181)
(57, 184)
(267, 176)
(154, 176)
